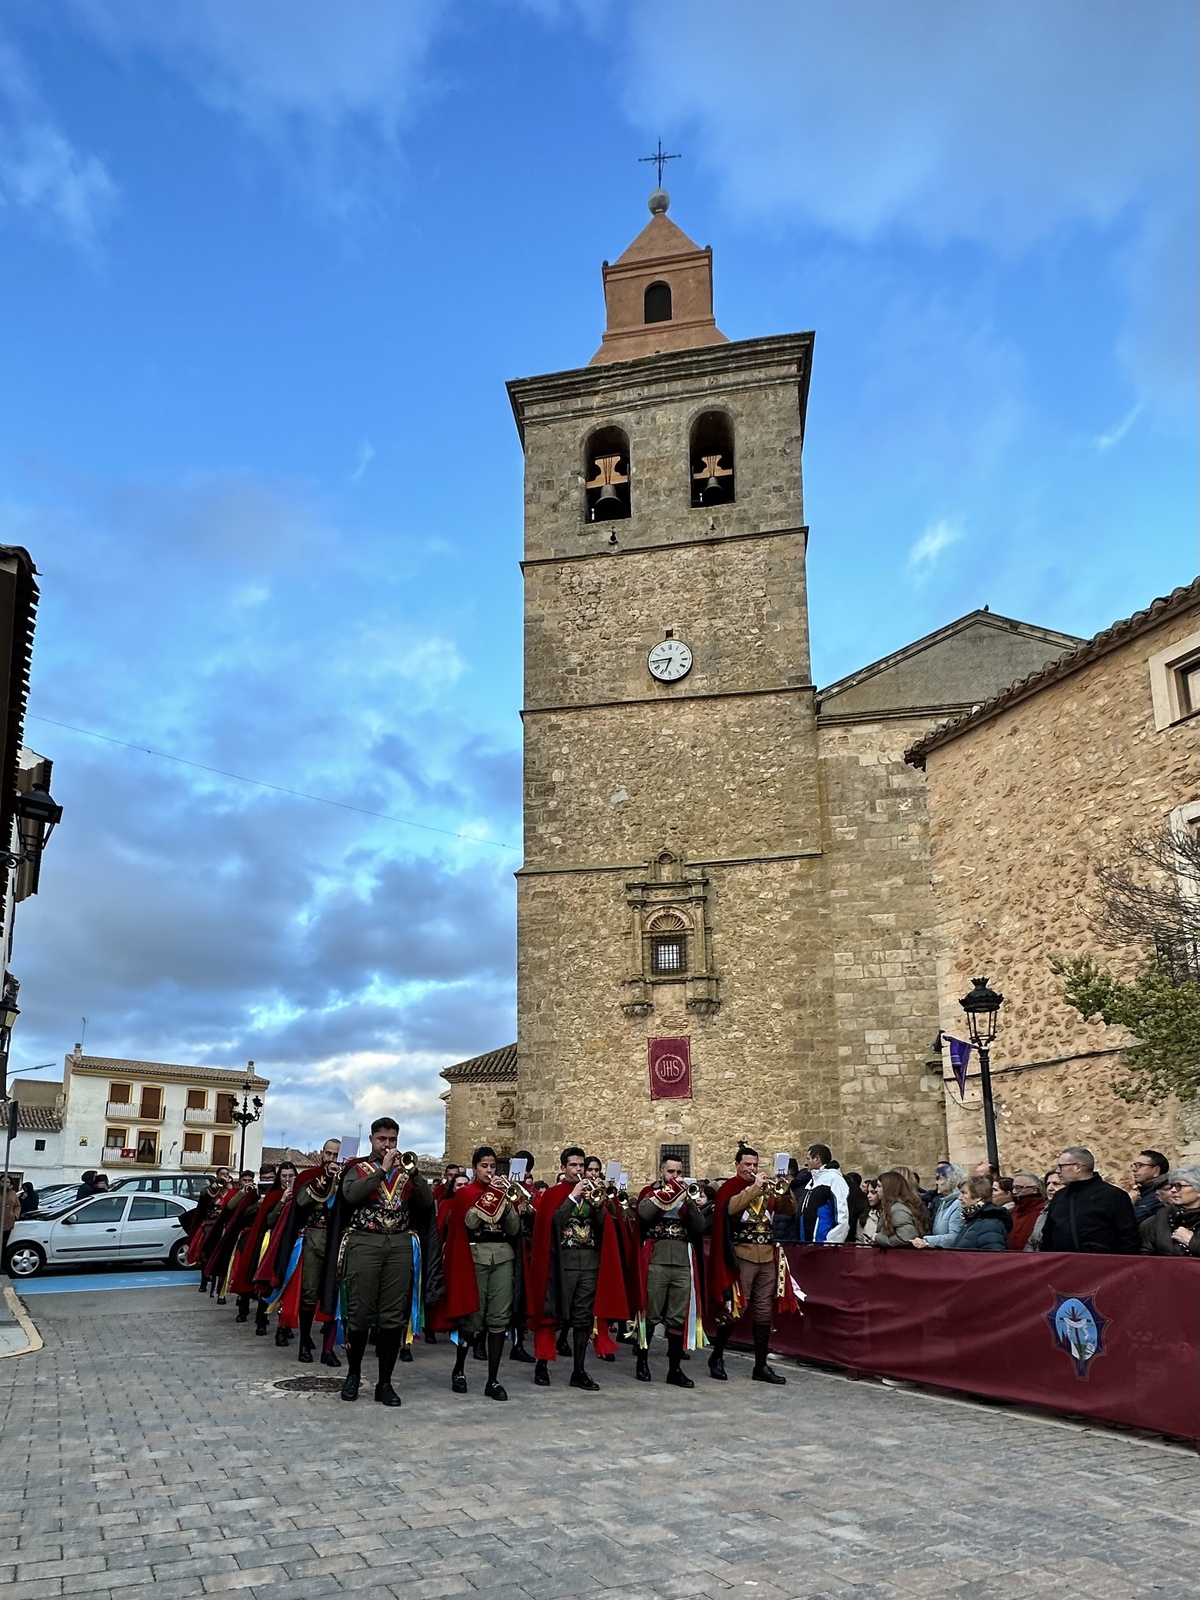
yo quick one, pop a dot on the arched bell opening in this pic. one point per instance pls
(711, 459)
(607, 475)
(657, 303)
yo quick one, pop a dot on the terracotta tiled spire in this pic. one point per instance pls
(680, 315)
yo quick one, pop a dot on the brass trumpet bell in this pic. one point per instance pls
(408, 1160)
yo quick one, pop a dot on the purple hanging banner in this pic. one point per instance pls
(960, 1059)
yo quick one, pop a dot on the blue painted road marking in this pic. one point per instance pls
(107, 1280)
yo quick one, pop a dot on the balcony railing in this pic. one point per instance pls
(194, 1158)
(132, 1111)
(118, 1158)
(196, 1114)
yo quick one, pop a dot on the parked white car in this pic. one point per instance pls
(108, 1228)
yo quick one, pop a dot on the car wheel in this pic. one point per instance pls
(178, 1256)
(26, 1260)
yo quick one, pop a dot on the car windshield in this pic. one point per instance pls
(53, 1205)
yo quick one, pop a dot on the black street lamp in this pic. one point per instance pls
(982, 1007)
(250, 1112)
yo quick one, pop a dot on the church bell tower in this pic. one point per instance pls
(669, 971)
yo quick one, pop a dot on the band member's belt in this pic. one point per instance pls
(379, 1219)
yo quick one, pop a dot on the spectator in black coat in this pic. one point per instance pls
(1087, 1215)
(29, 1199)
(1150, 1168)
(1174, 1229)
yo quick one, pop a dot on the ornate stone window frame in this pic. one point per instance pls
(671, 900)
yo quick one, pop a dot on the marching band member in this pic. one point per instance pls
(381, 1217)
(479, 1258)
(745, 1265)
(671, 1228)
(234, 1216)
(299, 1265)
(528, 1215)
(576, 1275)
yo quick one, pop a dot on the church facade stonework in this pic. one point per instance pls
(716, 852)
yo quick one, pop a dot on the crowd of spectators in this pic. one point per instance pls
(1069, 1208)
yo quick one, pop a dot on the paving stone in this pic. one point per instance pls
(189, 1476)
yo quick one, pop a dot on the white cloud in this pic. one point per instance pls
(41, 172)
(323, 61)
(1000, 125)
(1105, 441)
(366, 454)
(938, 536)
(987, 122)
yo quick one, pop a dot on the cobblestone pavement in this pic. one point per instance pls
(143, 1445)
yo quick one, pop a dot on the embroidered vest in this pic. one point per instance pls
(753, 1226)
(386, 1211)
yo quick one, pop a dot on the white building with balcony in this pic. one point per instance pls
(119, 1117)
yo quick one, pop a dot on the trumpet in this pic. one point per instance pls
(408, 1160)
(777, 1185)
(594, 1190)
(695, 1194)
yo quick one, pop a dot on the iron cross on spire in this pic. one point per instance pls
(660, 160)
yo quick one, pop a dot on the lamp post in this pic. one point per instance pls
(9, 1012)
(982, 1007)
(250, 1112)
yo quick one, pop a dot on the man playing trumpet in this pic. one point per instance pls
(671, 1226)
(373, 1255)
(576, 1278)
(480, 1265)
(746, 1268)
(316, 1190)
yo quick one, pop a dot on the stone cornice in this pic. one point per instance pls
(637, 383)
(609, 552)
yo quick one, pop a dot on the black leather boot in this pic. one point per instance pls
(762, 1343)
(675, 1373)
(387, 1347)
(494, 1389)
(716, 1361)
(579, 1378)
(356, 1346)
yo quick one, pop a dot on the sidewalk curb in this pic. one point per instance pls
(13, 1315)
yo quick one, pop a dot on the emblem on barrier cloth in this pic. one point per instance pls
(1078, 1329)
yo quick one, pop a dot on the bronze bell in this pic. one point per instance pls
(608, 495)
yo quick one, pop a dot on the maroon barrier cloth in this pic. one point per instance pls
(1127, 1350)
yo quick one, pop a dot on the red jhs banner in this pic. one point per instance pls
(670, 1069)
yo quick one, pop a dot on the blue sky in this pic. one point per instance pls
(263, 273)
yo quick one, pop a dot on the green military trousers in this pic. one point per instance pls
(377, 1275)
(494, 1265)
(312, 1268)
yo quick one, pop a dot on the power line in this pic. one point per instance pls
(276, 788)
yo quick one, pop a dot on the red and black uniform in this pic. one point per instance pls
(576, 1276)
(747, 1268)
(235, 1215)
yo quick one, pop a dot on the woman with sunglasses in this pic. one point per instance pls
(1174, 1229)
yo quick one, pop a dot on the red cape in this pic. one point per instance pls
(458, 1265)
(612, 1297)
(245, 1260)
(722, 1271)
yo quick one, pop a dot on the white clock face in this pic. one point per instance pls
(670, 660)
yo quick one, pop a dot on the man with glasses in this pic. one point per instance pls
(1088, 1216)
(1174, 1229)
(1150, 1168)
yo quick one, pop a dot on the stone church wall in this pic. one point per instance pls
(880, 912)
(1021, 805)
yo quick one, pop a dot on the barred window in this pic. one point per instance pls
(668, 953)
(677, 1152)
